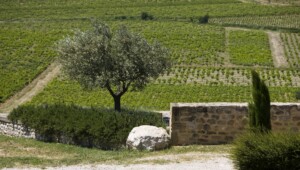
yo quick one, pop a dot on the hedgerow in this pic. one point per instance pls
(276, 151)
(88, 127)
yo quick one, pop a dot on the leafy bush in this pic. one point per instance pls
(267, 151)
(123, 17)
(260, 108)
(298, 95)
(88, 127)
(203, 19)
(146, 16)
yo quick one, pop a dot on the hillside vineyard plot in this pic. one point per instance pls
(249, 48)
(31, 45)
(228, 76)
(273, 22)
(291, 43)
(189, 44)
(172, 10)
(24, 54)
(155, 96)
(211, 63)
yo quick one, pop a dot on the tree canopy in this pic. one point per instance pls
(260, 108)
(115, 61)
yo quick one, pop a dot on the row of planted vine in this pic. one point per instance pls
(31, 45)
(27, 48)
(155, 96)
(291, 44)
(107, 10)
(24, 54)
(249, 48)
(228, 76)
(276, 21)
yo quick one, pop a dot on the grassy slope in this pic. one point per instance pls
(19, 152)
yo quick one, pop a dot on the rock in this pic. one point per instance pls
(148, 137)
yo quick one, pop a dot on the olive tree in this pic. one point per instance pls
(112, 60)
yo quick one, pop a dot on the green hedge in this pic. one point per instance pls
(279, 151)
(88, 127)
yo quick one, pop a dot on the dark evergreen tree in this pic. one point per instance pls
(259, 109)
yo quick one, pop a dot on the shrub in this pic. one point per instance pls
(203, 19)
(121, 17)
(88, 127)
(279, 151)
(298, 95)
(146, 16)
(259, 110)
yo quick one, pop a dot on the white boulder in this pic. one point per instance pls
(148, 137)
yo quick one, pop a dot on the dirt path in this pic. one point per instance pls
(190, 161)
(276, 46)
(27, 93)
(277, 50)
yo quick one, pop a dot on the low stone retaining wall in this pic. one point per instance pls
(17, 130)
(217, 123)
(202, 123)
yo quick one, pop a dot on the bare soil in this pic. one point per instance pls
(190, 161)
(277, 50)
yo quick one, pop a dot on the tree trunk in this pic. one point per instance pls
(117, 100)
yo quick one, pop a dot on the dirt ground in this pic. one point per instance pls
(190, 161)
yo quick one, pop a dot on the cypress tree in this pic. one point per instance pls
(259, 109)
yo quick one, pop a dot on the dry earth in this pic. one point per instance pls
(189, 161)
(277, 50)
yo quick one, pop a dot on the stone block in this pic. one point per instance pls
(211, 121)
(296, 118)
(178, 125)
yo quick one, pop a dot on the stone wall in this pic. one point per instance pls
(217, 123)
(17, 130)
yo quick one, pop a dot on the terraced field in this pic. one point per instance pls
(210, 62)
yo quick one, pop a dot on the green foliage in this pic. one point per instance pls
(183, 9)
(22, 152)
(123, 17)
(21, 51)
(89, 127)
(298, 95)
(115, 61)
(291, 44)
(290, 22)
(30, 28)
(146, 16)
(203, 19)
(250, 48)
(155, 96)
(259, 110)
(254, 151)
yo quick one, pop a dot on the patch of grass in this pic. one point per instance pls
(199, 148)
(20, 152)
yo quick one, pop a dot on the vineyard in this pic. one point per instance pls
(161, 10)
(210, 61)
(24, 54)
(274, 22)
(249, 48)
(276, 2)
(228, 76)
(291, 43)
(155, 96)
